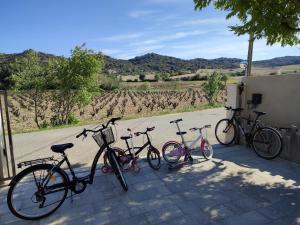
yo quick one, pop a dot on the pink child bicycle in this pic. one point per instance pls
(172, 150)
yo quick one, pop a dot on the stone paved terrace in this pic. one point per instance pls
(236, 187)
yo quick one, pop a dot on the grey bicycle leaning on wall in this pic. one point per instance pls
(265, 141)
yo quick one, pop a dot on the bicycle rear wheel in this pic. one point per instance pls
(225, 132)
(37, 192)
(267, 143)
(153, 158)
(117, 170)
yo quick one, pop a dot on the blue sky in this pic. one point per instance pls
(125, 29)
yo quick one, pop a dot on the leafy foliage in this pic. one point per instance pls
(77, 79)
(212, 87)
(275, 20)
(109, 82)
(30, 74)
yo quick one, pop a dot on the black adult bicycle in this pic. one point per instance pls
(40, 189)
(266, 141)
(128, 158)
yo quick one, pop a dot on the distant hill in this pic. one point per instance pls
(279, 61)
(151, 63)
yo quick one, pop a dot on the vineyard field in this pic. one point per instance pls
(124, 103)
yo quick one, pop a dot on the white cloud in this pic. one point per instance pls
(142, 13)
(157, 39)
(120, 37)
(207, 21)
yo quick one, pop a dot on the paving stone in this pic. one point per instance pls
(164, 214)
(236, 187)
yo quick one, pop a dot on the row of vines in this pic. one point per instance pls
(107, 104)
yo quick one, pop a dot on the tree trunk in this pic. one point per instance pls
(36, 111)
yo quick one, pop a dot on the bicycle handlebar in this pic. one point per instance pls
(197, 128)
(147, 130)
(84, 132)
(233, 109)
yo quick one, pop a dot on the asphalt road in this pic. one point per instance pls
(37, 144)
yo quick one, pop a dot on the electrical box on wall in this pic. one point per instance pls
(256, 99)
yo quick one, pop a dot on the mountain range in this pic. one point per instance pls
(153, 63)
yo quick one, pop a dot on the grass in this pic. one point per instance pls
(127, 117)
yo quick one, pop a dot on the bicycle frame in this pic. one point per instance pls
(185, 149)
(254, 126)
(133, 153)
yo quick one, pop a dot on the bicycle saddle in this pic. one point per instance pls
(260, 113)
(61, 147)
(125, 137)
(181, 133)
(176, 121)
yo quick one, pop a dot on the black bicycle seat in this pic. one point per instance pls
(61, 147)
(181, 133)
(125, 137)
(260, 113)
(176, 121)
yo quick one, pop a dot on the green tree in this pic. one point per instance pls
(275, 20)
(31, 75)
(77, 80)
(142, 77)
(212, 87)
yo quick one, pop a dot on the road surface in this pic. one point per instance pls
(37, 144)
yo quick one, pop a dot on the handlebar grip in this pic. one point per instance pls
(150, 128)
(82, 133)
(113, 120)
(193, 129)
(137, 133)
(228, 107)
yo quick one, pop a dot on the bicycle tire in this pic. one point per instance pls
(119, 153)
(153, 154)
(218, 126)
(27, 171)
(277, 151)
(165, 154)
(117, 170)
(209, 148)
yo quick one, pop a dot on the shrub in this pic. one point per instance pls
(109, 82)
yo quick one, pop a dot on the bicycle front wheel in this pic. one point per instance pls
(207, 150)
(153, 158)
(225, 132)
(267, 143)
(171, 152)
(37, 192)
(117, 169)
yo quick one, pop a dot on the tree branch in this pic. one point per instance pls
(288, 28)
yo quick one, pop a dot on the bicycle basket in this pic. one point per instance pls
(108, 134)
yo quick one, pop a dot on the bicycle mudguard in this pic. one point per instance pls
(20, 175)
(202, 144)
